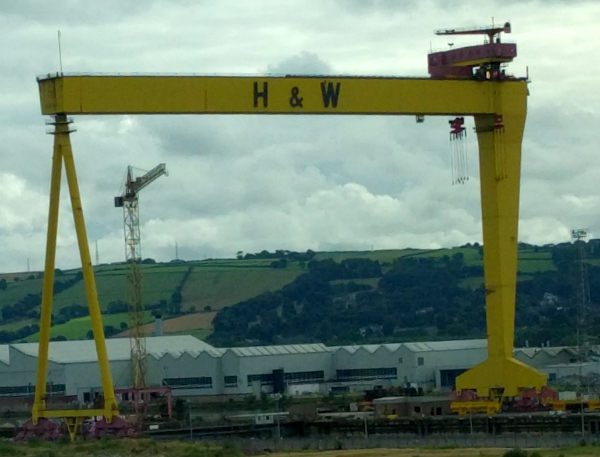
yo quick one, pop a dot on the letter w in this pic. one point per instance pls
(330, 95)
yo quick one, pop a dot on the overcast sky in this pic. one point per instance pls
(324, 183)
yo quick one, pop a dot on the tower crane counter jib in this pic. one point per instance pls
(482, 62)
(467, 81)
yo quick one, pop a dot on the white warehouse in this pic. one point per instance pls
(192, 367)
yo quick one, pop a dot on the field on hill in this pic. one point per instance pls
(221, 286)
(180, 325)
(214, 283)
(77, 329)
(159, 283)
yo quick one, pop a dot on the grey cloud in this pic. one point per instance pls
(72, 12)
(297, 182)
(306, 63)
(375, 5)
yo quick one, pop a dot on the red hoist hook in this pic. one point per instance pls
(459, 162)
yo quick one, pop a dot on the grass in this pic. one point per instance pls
(77, 329)
(181, 325)
(117, 448)
(384, 256)
(13, 326)
(470, 255)
(535, 265)
(17, 290)
(152, 448)
(219, 288)
(157, 285)
(201, 333)
(219, 283)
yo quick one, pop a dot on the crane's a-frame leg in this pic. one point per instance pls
(499, 140)
(110, 404)
(61, 130)
(63, 152)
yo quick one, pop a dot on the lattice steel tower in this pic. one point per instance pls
(133, 254)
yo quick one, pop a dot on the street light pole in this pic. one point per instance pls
(190, 420)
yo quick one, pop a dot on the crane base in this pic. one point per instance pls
(500, 377)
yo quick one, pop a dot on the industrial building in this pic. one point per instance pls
(191, 367)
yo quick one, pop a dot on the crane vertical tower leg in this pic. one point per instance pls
(39, 405)
(63, 152)
(499, 138)
(133, 255)
(110, 404)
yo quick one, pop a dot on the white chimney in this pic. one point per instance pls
(158, 326)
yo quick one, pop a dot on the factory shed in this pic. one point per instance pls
(190, 367)
(540, 357)
(275, 369)
(362, 367)
(437, 364)
(73, 365)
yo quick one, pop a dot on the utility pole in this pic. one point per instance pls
(579, 235)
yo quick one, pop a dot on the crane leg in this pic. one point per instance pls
(500, 147)
(61, 130)
(110, 404)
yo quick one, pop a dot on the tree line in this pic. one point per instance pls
(415, 298)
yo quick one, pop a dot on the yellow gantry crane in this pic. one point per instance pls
(467, 81)
(129, 201)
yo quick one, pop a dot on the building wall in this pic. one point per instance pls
(85, 377)
(423, 366)
(371, 366)
(364, 367)
(290, 363)
(414, 407)
(22, 371)
(185, 369)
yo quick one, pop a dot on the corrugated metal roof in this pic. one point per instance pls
(446, 345)
(278, 350)
(371, 348)
(5, 354)
(551, 351)
(120, 348)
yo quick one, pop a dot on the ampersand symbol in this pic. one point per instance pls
(295, 101)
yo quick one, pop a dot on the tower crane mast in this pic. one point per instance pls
(129, 201)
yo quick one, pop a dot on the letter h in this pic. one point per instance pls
(264, 94)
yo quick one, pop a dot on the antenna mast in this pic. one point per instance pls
(59, 54)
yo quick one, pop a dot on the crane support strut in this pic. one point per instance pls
(64, 154)
(494, 103)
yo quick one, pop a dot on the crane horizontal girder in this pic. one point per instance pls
(270, 95)
(139, 183)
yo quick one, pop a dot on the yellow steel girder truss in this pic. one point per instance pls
(499, 161)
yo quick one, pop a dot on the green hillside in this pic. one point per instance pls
(221, 286)
(210, 285)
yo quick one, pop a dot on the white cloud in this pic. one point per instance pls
(255, 183)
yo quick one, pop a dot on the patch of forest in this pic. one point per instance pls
(360, 300)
